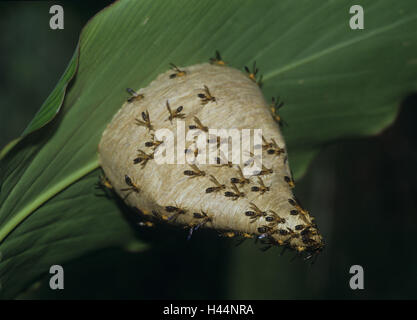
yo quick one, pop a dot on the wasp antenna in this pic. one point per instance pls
(260, 82)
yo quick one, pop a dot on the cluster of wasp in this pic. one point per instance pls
(143, 157)
(304, 232)
(273, 221)
(200, 218)
(254, 213)
(173, 212)
(239, 180)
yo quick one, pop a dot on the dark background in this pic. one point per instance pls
(363, 193)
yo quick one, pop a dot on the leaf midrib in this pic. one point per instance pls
(11, 224)
(339, 46)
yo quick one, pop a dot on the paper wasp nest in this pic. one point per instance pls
(244, 193)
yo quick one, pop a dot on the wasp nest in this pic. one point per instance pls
(239, 193)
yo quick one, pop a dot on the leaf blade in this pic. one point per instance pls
(129, 43)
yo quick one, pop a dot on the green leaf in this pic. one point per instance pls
(336, 83)
(62, 229)
(51, 106)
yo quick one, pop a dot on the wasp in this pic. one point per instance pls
(290, 181)
(218, 186)
(294, 212)
(176, 212)
(256, 213)
(174, 114)
(202, 215)
(274, 107)
(154, 143)
(105, 185)
(147, 224)
(264, 232)
(189, 151)
(216, 140)
(274, 218)
(261, 188)
(306, 240)
(244, 236)
(292, 202)
(250, 161)
(241, 180)
(159, 216)
(228, 234)
(178, 71)
(313, 252)
(198, 125)
(266, 239)
(146, 121)
(142, 158)
(252, 158)
(296, 203)
(299, 227)
(222, 161)
(144, 212)
(300, 249)
(292, 234)
(104, 182)
(252, 74)
(203, 218)
(134, 95)
(308, 231)
(206, 97)
(234, 195)
(288, 231)
(196, 172)
(263, 171)
(271, 147)
(132, 187)
(266, 145)
(217, 60)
